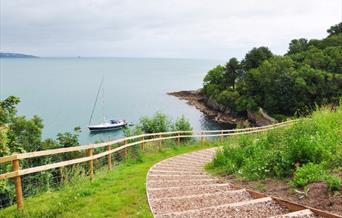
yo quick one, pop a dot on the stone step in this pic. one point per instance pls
(181, 183)
(155, 193)
(198, 169)
(174, 172)
(178, 177)
(298, 214)
(198, 156)
(257, 208)
(179, 166)
(191, 159)
(190, 202)
(184, 164)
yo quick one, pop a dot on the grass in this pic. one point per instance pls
(116, 193)
(309, 151)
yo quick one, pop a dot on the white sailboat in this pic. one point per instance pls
(105, 125)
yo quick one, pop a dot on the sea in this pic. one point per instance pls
(62, 91)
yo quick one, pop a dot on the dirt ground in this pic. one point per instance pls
(316, 194)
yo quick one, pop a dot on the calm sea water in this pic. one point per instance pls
(62, 90)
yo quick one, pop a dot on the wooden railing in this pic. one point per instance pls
(17, 173)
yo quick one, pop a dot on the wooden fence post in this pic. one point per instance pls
(160, 141)
(221, 136)
(91, 163)
(125, 150)
(143, 143)
(202, 138)
(18, 187)
(178, 139)
(109, 157)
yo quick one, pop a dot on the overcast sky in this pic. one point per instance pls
(215, 29)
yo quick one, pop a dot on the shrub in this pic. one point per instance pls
(182, 124)
(307, 174)
(159, 122)
(333, 182)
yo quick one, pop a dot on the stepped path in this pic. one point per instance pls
(179, 187)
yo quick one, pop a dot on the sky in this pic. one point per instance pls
(209, 29)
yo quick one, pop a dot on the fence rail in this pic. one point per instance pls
(16, 172)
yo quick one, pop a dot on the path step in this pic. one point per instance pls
(262, 207)
(188, 190)
(192, 160)
(181, 183)
(178, 177)
(175, 172)
(198, 169)
(298, 214)
(180, 163)
(190, 202)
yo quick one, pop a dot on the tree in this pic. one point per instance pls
(309, 74)
(297, 45)
(336, 29)
(214, 80)
(228, 98)
(8, 109)
(255, 57)
(276, 85)
(232, 72)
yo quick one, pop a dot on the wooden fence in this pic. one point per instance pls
(17, 172)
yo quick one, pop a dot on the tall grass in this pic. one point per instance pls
(309, 151)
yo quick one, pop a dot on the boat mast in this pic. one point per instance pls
(103, 105)
(97, 96)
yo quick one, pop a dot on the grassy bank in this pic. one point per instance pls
(307, 152)
(118, 193)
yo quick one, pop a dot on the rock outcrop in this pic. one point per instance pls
(221, 113)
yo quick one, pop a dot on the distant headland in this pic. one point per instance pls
(15, 55)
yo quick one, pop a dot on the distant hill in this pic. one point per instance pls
(15, 55)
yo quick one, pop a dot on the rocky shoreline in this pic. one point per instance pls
(222, 114)
(197, 99)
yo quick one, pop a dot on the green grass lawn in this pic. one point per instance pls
(118, 193)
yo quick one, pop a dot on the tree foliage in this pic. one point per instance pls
(255, 57)
(20, 134)
(159, 122)
(309, 74)
(336, 29)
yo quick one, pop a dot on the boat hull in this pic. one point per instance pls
(107, 126)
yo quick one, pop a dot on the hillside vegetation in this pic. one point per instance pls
(309, 74)
(309, 151)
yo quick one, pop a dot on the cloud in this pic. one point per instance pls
(155, 28)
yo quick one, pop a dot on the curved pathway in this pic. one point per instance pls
(179, 187)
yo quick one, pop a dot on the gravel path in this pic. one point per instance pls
(180, 187)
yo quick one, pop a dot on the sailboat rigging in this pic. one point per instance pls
(105, 125)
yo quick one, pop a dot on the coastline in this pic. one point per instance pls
(220, 113)
(197, 99)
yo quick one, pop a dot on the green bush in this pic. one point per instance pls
(159, 122)
(182, 124)
(307, 174)
(334, 183)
